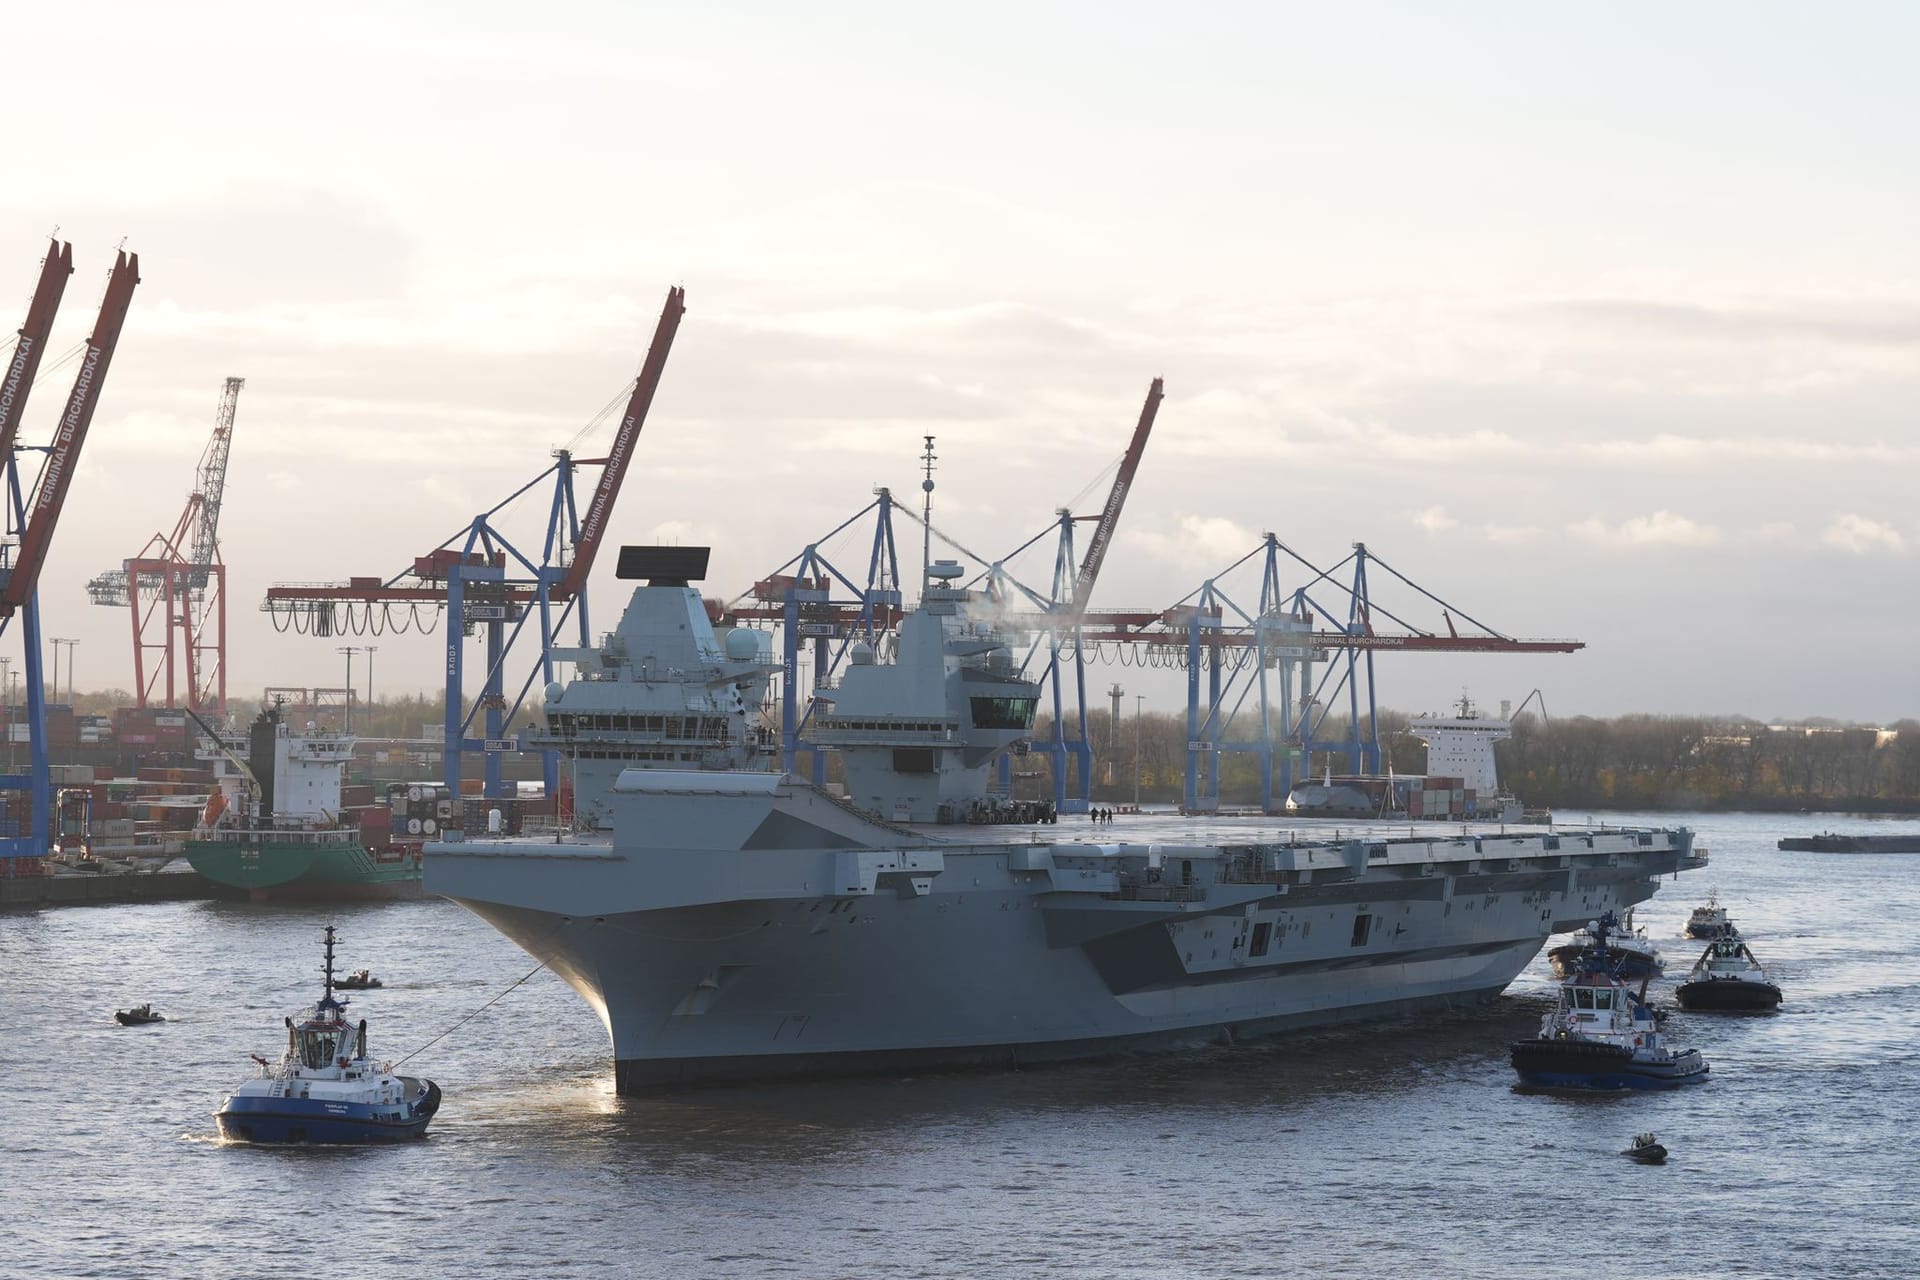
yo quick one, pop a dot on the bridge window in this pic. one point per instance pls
(317, 1048)
(1003, 713)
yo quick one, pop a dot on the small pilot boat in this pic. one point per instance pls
(1727, 978)
(324, 1088)
(1646, 1149)
(1711, 921)
(138, 1016)
(1602, 1034)
(358, 980)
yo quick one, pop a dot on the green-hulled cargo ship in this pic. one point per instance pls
(324, 863)
(275, 827)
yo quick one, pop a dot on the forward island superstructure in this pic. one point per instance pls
(730, 924)
(665, 689)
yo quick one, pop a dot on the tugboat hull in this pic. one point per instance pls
(274, 1121)
(1632, 965)
(1712, 932)
(1580, 1064)
(1728, 995)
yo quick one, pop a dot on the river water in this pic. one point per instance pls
(1397, 1150)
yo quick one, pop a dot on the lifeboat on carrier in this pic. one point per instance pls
(1602, 1033)
(324, 1088)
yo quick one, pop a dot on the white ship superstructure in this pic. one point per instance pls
(274, 776)
(1461, 746)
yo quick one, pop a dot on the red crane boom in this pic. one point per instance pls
(1116, 499)
(64, 455)
(593, 528)
(25, 363)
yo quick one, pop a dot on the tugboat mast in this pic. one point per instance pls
(327, 969)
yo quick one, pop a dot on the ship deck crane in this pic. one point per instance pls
(479, 577)
(175, 588)
(34, 510)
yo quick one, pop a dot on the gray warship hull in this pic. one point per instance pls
(751, 926)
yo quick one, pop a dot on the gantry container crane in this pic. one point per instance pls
(800, 598)
(1205, 632)
(33, 510)
(480, 578)
(176, 588)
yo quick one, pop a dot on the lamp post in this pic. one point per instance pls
(56, 642)
(370, 649)
(347, 717)
(1139, 700)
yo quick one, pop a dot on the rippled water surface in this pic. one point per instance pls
(1396, 1150)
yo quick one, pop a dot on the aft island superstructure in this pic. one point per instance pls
(737, 924)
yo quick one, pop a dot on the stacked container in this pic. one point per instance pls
(421, 810)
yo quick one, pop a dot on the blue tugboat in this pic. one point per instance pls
(1602, 1034)
(324, 1089)
(1634, 954)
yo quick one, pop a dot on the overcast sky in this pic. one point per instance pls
(1597, 321)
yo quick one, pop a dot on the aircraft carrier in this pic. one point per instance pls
(730, 924)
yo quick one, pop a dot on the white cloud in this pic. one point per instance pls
(1661, 529)
(1200, 542)
(1435, 520)
(1509, 532)
(685, 533)
(1669, 450)
(1860, 535)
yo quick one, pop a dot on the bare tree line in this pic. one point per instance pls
(1627, 762)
